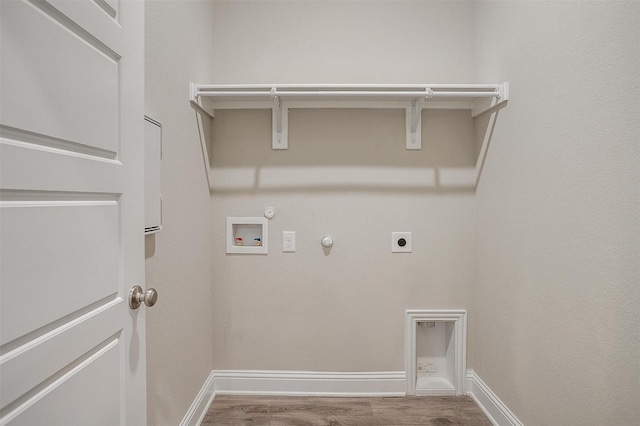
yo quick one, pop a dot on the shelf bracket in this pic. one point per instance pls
(196, 101)
(279, 123)
(413, 116)
(492, 105)
(478, 98)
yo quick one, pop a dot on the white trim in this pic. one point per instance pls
(489, 403)
(459, 318)
(312, 383)
(200, 405)
(248, 247)
(413, 97)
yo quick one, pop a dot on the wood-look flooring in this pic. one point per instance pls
(312, 411)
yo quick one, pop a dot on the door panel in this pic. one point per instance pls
(109, 6)
(42, 82)
(60, 403)
(62, 255)
(88, 173)
(71, 212)
(50, 352)
(91, 17)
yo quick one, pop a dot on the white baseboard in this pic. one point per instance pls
(201, 404)
(489, 403)
(309, 383)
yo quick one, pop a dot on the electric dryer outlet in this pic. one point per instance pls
(401, 242)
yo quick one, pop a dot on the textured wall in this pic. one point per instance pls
(312, 310)
(554, 312)
(343, 42)
(558, 222)
(179, 333)
(341, 311)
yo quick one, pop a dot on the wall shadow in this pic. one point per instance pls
(343, 150)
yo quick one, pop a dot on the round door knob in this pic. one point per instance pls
(137, 297)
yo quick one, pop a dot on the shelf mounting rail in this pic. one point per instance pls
(478, 98)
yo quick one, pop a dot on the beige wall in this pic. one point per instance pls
(554, 312)
(341, 311)
(558, 204)
(179, 332)
(343, 42)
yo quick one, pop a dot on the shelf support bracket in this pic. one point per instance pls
(413, 115)
(492, 105)
(196, 102)
(279, 123)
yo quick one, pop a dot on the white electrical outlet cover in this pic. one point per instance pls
(401, 242)
(289, 241)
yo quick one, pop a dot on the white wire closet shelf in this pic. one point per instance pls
(478, 98)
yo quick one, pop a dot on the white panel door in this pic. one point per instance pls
(72, 352)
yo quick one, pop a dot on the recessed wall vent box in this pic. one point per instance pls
(435, 352)
(247, 235)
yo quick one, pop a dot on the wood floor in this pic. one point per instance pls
(311, 411)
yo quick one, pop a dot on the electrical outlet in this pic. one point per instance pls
(289, 241)
(401, 242)
(430, 370)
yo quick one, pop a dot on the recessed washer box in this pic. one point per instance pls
(401, 242)
(247, 235)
